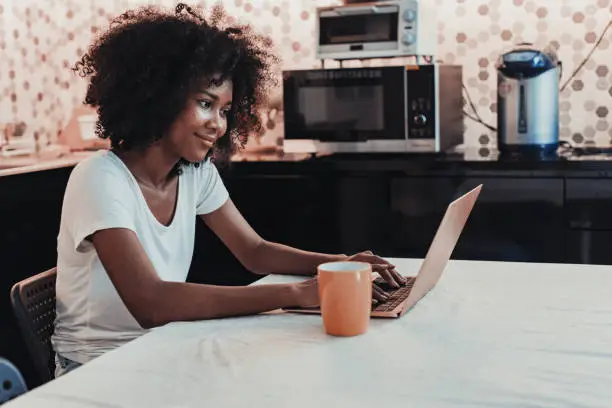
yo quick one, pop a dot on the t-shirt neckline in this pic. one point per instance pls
(142, 199)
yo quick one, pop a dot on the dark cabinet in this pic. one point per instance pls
(514, 219)
(361, 212)
(588, 204)
(295, 210)
(589, 220)
(30, 205)
(589, 247)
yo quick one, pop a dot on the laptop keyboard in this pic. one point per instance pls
(396, 296)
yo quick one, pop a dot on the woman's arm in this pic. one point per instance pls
(272, 257)
(256, 254)
(154, 302)
(263, 257)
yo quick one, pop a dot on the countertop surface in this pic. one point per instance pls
(33, 163)
(575, 162)
(578, 162)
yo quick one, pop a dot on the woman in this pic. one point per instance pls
(170, 89)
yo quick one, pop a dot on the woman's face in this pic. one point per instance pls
(201, 124)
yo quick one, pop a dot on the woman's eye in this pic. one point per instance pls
(205, 104)
(225, 112)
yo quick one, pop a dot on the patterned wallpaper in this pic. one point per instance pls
(39, 40)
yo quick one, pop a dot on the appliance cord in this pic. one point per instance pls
(477, 118)
(588, 57)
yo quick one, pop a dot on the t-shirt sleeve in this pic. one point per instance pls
(97, 198)
(211, 192)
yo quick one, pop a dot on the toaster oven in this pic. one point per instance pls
(382, 29)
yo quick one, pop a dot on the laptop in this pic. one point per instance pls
(403, 299)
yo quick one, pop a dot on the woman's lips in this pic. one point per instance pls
(207, 140)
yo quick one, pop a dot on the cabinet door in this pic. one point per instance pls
(295, 210)
(514, 219)
(30, 205)
(588, 204)
(589, 247)
(361, 210)
(589, 219)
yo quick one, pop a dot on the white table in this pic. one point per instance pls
(489, 335)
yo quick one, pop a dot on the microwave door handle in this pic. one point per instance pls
(356, 10)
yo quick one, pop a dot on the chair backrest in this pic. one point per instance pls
(33, 302)
(12, 383)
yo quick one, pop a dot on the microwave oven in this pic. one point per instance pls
(382, 29)
(415, 108)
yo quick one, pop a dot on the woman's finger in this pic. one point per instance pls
(379, 294)
(398, 277)
(374, 259)
(385, 272)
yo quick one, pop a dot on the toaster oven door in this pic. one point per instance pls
(357, 30)
(345, 105)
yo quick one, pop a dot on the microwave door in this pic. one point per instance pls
(347, 107)
(345, 113)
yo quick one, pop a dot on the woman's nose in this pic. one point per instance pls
(214, 122)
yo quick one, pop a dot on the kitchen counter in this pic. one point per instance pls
(28, 164)
(469, 162)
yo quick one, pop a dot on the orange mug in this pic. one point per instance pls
(345, 294)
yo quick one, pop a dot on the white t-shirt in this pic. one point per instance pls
(102, 193)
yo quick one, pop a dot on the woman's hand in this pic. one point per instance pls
(307, 293)
(385, 269)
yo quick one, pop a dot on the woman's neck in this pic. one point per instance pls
(152, 166)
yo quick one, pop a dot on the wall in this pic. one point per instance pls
(40, 40)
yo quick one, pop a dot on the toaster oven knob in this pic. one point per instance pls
(420, 120)
(408, 39)
(409, 16)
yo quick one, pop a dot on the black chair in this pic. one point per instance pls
(33, 302)
(12, 383)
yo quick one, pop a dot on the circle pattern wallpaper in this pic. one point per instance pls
(39, 41)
